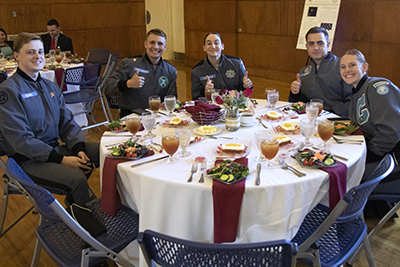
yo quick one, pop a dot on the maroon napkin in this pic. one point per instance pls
(357, 132)
(226, 219)
(202, 107)
(59, 75)
(110, 199)
(337, 183)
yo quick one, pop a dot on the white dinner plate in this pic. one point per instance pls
(248, 124)
(218, 131)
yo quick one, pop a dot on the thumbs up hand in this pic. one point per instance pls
(136, 81)
(247, 83)
(295, 87)
(209, 84)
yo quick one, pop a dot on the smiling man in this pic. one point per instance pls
(34, 118)
(217, 70)
(54, 38)
(140, 77)
(321, 78)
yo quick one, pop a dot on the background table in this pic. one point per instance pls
(274, 210)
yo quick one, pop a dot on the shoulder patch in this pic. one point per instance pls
(382, 90)
(3, 97)
(377, 84)
(306, 71)
(122, 64)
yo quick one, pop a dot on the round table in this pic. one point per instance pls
(274, 210)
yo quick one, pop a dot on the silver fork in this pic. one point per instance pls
(343, 141)
(193, 170)
(284, 166)
(203, 167)
(262, 123)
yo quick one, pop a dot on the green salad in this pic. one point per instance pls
(344, 128)
(118, 125)
(228, 171)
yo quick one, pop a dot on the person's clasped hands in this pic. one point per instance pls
(136, 81)
(80, 162)
(295, 87)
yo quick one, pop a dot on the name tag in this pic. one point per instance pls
(28, 95)
(212, 76)
(142, 70)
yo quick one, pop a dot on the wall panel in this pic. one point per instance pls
(112, 24)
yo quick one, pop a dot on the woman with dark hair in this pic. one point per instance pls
(375, 108)
(5, 45)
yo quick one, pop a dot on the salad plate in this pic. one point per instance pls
(228, 172)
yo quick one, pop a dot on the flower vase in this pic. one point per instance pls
(232, 119)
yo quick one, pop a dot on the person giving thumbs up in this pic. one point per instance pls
(209, 84)
(295, 87)
(136, 81)
(247, 83)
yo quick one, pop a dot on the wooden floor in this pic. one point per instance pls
(17, 246)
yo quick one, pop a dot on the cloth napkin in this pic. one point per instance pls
(202, 107)
(226, 219)
(59, 76)
(337, 183)
(110, 199)
(357, 132)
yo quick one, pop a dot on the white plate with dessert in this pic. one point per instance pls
(207, 130)
(287, 127)
(232, 149)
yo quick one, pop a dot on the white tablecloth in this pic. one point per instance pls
(273, 210)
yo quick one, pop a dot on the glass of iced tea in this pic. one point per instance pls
(154, 104)
(319, 103)
(325, 132)
(133, 124)
(59, 58)
(208, 94)
(68, 55)
(170, 143)
(260, 136)
(269, 148)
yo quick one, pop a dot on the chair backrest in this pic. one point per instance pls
(3, 76)
(112, 100)
(170, 251)
(357, 196)
(41, 196)
(98, 55)
(82, 76)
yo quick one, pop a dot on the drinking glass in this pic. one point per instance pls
(208, 94)
(52, 53)
(267, 92)
(260, 136)
(170, 102)
(319, 103)
(184, 140)
(273, 98)
(58, 50)
(133, 123)
(269, 148)
(170, 143)
(149, 121)
(1, 58)
(307, 129)
(214, 96)
(59, 58)
(68, 55)
(154, 104)
(312, 110)
(325, 131)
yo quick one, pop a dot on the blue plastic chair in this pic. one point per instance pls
(329, 239)
(170, 251)
(65, 240)
(10, 187)
(87, 78)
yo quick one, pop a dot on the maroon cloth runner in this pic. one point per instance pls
(226, 219)
(337, 183)
(110, 199)
(59, 76)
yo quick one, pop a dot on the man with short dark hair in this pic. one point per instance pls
(321, 78)
(54, 38)
(140, 77)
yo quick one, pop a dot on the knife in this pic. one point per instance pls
(257, 183)
(142, 163)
